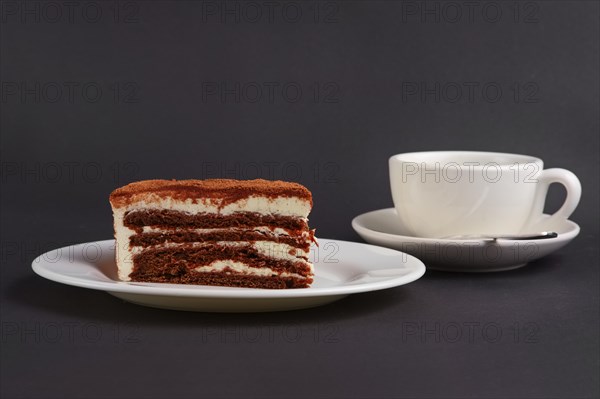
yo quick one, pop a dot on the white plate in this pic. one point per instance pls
(383, 227)
(341, 268)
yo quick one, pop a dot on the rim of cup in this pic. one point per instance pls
(433, 158)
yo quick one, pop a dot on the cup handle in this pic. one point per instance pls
(569, 181)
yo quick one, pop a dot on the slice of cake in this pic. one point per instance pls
(236, 233)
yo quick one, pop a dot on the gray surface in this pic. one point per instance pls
(60, 341)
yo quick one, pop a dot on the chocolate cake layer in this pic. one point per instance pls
(181, 236)
(167, 218)
(174, 261)
(228, 280)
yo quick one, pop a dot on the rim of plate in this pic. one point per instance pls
(39, 266)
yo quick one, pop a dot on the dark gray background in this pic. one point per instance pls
(62, 155)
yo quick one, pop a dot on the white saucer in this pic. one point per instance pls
(383, 227)
(341, 268)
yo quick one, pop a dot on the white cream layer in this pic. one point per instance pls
(277, 232)
(280, 206)
(242, 268)
(269, 249)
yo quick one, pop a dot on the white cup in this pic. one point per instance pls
(445, 193)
